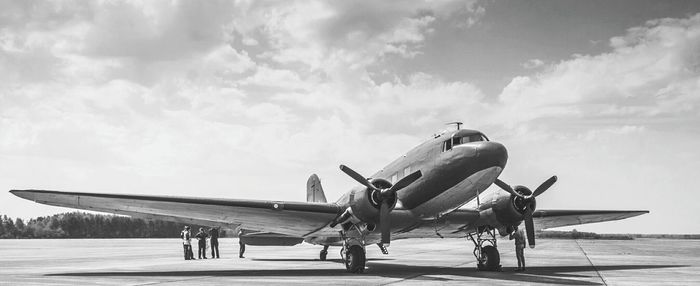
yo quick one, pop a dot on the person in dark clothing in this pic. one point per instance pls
(242, 248)
(241, 244)
(202, 250)
(214, 241)
(186, 243)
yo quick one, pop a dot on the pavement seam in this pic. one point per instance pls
(591, 262)
(172, 281)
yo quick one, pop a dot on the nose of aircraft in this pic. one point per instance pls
(491, 154)
(480, 155)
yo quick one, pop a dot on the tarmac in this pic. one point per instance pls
(411, 262)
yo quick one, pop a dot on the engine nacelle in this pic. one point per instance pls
(366, 202)
(504, 210)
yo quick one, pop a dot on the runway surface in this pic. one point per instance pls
(418, 262)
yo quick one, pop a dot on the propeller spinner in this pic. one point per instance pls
(528, 201)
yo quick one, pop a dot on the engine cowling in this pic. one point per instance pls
(509, 209)
(374, 202)
(504, 211)
(521, 200)
(366, 202)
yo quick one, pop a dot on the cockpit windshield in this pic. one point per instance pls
(468, 138)
(463, 139)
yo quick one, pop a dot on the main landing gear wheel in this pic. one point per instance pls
(355, 259)
(490, 259)
(485, 249)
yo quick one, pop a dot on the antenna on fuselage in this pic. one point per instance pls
(457, 123)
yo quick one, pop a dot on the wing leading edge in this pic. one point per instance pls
(290, 218)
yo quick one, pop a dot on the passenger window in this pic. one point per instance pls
(407, 171)
(394, 178)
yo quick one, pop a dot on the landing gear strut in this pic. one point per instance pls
(324, 253)
(485, 249)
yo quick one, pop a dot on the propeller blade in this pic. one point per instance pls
(544, 186)
(385, 222)
(506, 188)
(405, 181)
(529, 227)
(359, 178)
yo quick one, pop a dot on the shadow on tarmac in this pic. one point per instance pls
(312, 259)
(563, 275)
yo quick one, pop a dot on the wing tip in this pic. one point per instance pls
(26, 194)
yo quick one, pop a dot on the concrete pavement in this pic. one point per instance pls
(420, 261)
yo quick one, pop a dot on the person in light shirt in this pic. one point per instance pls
(186, 243)
(519, 236)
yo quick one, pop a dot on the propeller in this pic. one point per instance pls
(386, 197)
(528, 202)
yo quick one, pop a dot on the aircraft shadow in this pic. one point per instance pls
(314, 259)
(563, 275)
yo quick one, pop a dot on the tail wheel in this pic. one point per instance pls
(491, 260)
(323, 255)
(355, 259)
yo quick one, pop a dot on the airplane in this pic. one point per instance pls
(433, 190)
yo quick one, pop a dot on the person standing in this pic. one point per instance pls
(186, 243)
(202, 250)
(214, 241)
(519, 236)
(241, 244)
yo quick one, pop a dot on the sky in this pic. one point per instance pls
(246, 99)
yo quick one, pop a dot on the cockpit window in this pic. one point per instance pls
(472, 138)
(447, 145)
(454, 141)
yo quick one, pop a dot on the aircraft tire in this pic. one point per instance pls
(355, 259)
(323, 255)
(491, 258)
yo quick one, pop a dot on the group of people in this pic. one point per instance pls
(201, 236)
(518, 235)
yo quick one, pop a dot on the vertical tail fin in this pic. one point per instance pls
(314, 191)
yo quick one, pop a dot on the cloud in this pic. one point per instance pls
(532, 64)
(652, 72)
(144, 84)
(346, 34)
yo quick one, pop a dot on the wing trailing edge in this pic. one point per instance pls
(545, 219)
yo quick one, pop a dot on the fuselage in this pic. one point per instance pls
(456, 167)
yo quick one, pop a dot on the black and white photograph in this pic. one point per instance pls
(359, 142)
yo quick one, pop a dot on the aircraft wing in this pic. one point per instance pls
(555, 218)
(290, 218)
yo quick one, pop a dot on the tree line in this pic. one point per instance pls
(86, 225)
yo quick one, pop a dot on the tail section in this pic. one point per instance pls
(314, 191)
